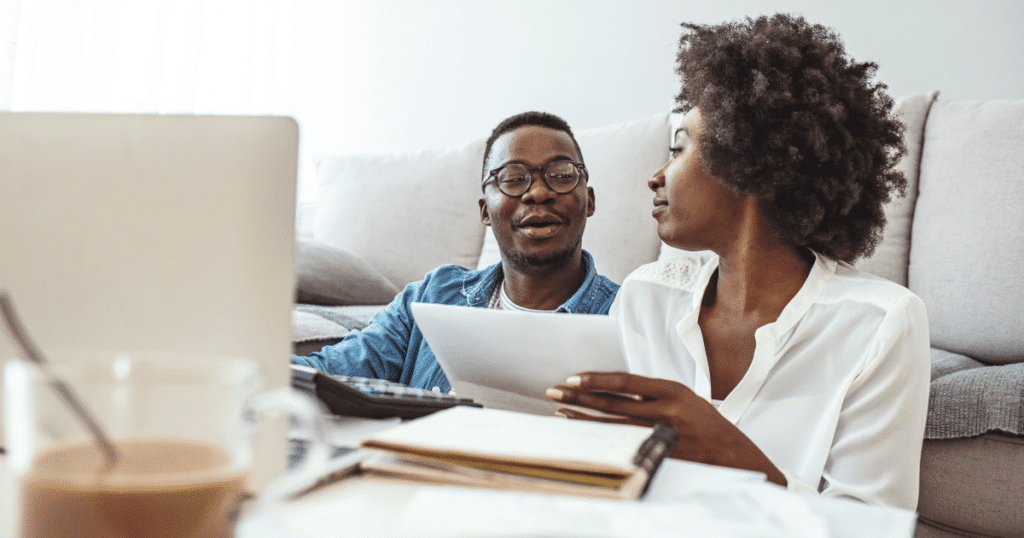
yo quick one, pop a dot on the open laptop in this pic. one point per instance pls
(130, 232)
(507, 360)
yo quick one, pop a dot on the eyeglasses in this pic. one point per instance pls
(515, 180)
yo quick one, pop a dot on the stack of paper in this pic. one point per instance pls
(508, 450)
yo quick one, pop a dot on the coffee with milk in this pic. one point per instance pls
(163, 487)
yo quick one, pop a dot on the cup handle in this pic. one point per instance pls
(307, 414)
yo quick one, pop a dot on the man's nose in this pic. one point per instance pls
(539, 192)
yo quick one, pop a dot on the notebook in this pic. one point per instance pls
(507, 360)
(505, 450)
(139, 232)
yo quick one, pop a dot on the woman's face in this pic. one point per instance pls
(694, 210)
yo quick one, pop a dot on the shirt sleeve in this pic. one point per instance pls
(876, 451)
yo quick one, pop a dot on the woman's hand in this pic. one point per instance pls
(705, 436)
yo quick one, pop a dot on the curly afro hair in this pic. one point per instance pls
(789, 119)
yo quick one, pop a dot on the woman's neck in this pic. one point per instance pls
(758, 274)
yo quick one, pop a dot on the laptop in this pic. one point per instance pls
(507, 360)
(131, 232)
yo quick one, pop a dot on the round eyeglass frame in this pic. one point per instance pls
(493, 174)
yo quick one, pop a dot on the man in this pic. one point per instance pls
(536, 201)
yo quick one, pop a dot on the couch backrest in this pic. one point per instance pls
(956, 239)
(405, 214)
(967, 242)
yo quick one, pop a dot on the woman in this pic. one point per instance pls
(776, 355)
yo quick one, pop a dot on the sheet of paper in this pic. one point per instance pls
(506, 360)
(740, 509)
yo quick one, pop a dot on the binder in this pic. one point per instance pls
(507, 450)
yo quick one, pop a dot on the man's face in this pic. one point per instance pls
(541, 228)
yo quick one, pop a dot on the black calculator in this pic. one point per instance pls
(372, 398)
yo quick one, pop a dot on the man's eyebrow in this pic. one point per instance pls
(551, 160)
(681, 130)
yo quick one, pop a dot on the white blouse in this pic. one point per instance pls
(837, 392)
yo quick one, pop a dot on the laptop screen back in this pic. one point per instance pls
(130, 232)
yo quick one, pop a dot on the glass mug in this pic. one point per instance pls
(182, 426)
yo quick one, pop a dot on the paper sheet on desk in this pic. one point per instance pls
(506, 360)
(710, 502)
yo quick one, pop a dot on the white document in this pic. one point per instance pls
(507, 360)
(729, 508)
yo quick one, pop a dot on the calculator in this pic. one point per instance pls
(351, 396)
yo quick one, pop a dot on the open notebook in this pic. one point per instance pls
(125, 232)
(506, 360)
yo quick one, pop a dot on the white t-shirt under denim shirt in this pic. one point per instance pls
(837, 392)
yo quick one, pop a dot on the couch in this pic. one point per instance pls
(956, 239)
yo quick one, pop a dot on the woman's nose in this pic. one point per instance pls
(658, 179)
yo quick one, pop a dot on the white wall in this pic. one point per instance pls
(404, 75)
(401, 75)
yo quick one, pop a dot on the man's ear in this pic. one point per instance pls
(485, 217)
(590, 201)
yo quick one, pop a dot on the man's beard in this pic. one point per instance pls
(527, 263)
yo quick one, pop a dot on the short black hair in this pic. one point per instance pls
(790, 119)
(542, 119)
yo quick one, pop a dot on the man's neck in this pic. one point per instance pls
(544, 288)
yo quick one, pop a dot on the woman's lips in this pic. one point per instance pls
(660, 206)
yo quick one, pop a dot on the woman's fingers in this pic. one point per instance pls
(648, 388)
(569, 412)
(613, 403)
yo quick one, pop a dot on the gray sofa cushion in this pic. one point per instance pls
(967, 244)
(972, 487)
(316, 326)
(969, 398)
(327, 275)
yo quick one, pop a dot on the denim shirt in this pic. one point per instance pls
(391, 347)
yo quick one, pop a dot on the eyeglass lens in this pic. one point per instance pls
(515, 179)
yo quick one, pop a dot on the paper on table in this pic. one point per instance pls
(734, 509)
(506, 360)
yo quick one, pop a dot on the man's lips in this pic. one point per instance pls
(538, 220)
(539, 226)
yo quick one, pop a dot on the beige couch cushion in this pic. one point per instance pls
(405, 214)
(967, 244)
(622, 235)
(892, 255)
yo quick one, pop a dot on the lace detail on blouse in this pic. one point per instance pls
(681, 273)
